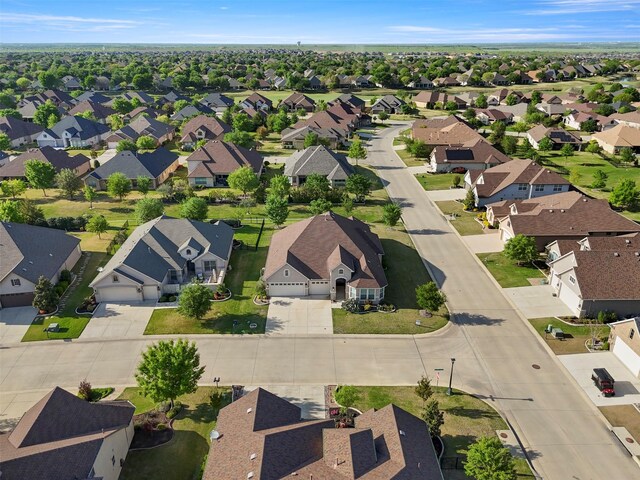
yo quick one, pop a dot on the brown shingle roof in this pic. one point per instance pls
(608, 275)
(449, 131)
(475, 151)
(212, 127)
(221, 158)
(620, 136)
(58, 158)
(556, 135)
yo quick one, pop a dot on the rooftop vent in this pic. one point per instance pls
(616, 254)
(402, 433)
(253, 456)
(562, 211)
(627, 241)
(250, 475)
(249, 410)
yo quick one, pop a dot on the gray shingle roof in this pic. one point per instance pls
(148, 164)
(320, 160)
(217, 100)
(79, 127)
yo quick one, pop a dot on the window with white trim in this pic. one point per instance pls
(572, 279)
(522, 186)
(115, 278)
(15, 282)
(286, 273)
(538, 188)
(209, 265)
(341, 271)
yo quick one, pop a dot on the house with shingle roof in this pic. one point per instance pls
(615, 139)
(95, 97)
(20, 132)
(388, 104)
(218, 102)
(99, 111)
(60, 159)
(200, 128)
(318, 160)
(73, 131)
(558, 137)
(630, 119)
(70, 83)
(29, 252)
(257, 102)
(444, 131)
(162, 256)
(388, 443)
(575, 120)
(624, 342)
(142, 125)
(142, 97)
(158, 165)
(191, 111)
(473, 155)
(298, 101)
(491, 115)
(65, 437)
(211, 164)
(326, 255)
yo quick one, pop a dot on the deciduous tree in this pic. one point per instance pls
(319, 206)
(144, 184)
(148, 208)
(97, 224)
(625, 195)
(521, 249)
(357, 150)
(194, 208)
(277, 208)
(433, 417)
(40, 174)
(429, 297)
(67, 181)
(195, 300)
(488, 459)
(243, 179)
(90, 195)
(145, 142)
(13, 188)
(118, 185)
(358, 185)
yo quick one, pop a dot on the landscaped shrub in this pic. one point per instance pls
(163, 298)
(84, 390)
(65, 276)
(173, 298)
(177, 407)
(351, 305)
(607, 316)
(215, 196)
(299, 195)
(70, 224)
(161, 426)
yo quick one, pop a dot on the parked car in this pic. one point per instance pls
(604, 381)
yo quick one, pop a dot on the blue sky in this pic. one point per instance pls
(324, 21)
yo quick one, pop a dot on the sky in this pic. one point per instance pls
(319, 22)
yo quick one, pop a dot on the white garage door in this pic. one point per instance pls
(119, 294)
(570, 298)
(319, 287)
(150, 292)
(287, 289)
(627, 356)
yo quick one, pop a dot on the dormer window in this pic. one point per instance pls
(188, 251)
(286, 273)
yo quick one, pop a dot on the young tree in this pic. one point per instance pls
(280, 186)
(625, 195)
(118, 185)
(13, 188)
(40, 174)
(319, 206)
(455, 182)
(10, 211)
(148, 208)
(575, 176)
(45, 298)
(433, 417)
(169, 369)
(545, 145)
(90, 195)
(627, 155)
(481, 101)
(243, 179)
(488, 459)
(143, 184)
(126, 145)
(357, 151)
(97, 224)
(521, 249)
(391, 214)
(383, 116)
(317, 186)
(145, 142)
(45, 112)
(194, 208)
(599, 179)
(195, 300)
(5, 141)
(593, 147)
(429, 298)
(347, 204)
(242, 139)
(567, 150)
(67, 181)
(30, 212)
(277, 209)
(469, 201)
(424, 389)
(509, 145)
(358, 185)
(346, 396)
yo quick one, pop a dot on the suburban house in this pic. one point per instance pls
(58, 158)
(317, 160)
(276, 443)
(294, 138)
(65, 437)
(443, 131)
(472, 155)
(421, 83)
(162, 256)
(19, 132)
(257, 102)
(624, 342)
(388, 104)
(191, 111)
(326, 255)
(73, 132)
(513, 180)
(157, 165)
(217, 102)
(576, 119)
(429, 99)
(99, 111)
(29, 252)
(95, 97)
(172, 97)
(338, 121)
(211, 164)
(298, 101)
(70, 83)
(552, 105)
(630, 119)
(141, 110)
(558, 137)
(562, 216)
(619, 137)
(598, 274)
(142, 97)
(161, 132)
(491, 115)
(200, 128)
(354, 102)
(518, 111)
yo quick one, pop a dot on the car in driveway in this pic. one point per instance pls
(604, 381)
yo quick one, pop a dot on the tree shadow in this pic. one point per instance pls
(123, 210)
(474, 319)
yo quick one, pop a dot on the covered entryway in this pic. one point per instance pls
(341, 286)
(292, 289)
(16, 300)
(119, 294)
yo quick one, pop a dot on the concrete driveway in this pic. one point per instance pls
(538, 302)
(14, 323)
(448, 194)
(580, 366)
(306, 315)
(310, 398)
(119, 320)
(484, 243)
(106, 156)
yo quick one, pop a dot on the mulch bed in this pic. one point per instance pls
(146, 433)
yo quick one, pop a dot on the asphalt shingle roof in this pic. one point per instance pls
(148, 164)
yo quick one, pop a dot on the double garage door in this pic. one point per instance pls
(16, 300)
(120, 294)
(287, 289)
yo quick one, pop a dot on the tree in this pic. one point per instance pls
(48, 80)
(593, 147)
(346, 396)
(142, 81)
(391, 214)
(40, 174)
(23, 83)
(488, 459)
(357, 150)
(627, 155)
(521, 126)
(347, 204)
(383, 116)
(148, 208)
(311, 139)
(433, 417)
(118, 185)
(521, 249)
(122, 105)
(97, 224)
(169, 369)
(536, 97)
(575, 176)
(451, 106)
(498, 132)
(589, 126)
(509, 145)
(625, 195)
(424, 389)
(242, 139)
(67, 181)
(5, 141)
(262, 132)
(13, 188)
(243, 179)
(279, 185)
(429, 298)
(90, 195)
(10, 112)
(545, 145)
(358, 185)
(242, 123)
(124, 145)
(115, 121)
(567, 150)
(277, 208)
(45, 298)
(31, 213)
(10, 211)
(195, 300)
(317, 186)
(319, 206)
(44, 112)
(145, 142)
(194, 208)
(469, 201)
(599, 179)
(481, 101)
(511, 99)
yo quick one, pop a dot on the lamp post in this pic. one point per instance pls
(449, 392)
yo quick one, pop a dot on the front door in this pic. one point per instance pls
(341, 285)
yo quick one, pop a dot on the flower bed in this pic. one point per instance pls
(152, 429)
(260, 300)
(218, 297)
(88, 306)
(354, 306)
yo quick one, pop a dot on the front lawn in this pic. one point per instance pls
(399, 253)
(626, 416)
(465, 222)
(183, 456)
(71, 324)
(438, 181)
(576, 336)
(506, 272)
(409, 160)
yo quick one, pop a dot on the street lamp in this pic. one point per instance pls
(449, 392)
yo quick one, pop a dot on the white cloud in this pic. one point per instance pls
(68, 23)
(456, 35)
(574, 7)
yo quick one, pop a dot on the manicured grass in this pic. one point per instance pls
(465, 222)
(507, 272)
(183, 456)
(574, 343)
(624, 416)
(466, 418)
(71, 324)
(438, 181)
(399, 252)
(271, 145)
(409, 160)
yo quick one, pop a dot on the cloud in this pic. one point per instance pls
(574, 7)
(68, 22)
(451, 35)
(224, 8)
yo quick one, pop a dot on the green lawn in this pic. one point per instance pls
(399, 252)
(577, 335)
(465, 222)
(466, 418)
(71, 324)
(183, 456)
(409, 160)
(438, 181)
(506, 272)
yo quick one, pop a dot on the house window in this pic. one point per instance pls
(286, 273)
(539, 188)
(200, 181)
(115, 278)
(209, 265)
(522, 186)
(632, 332)
(173, 276)
(371, 294)
(557, 188)
(188, 251)
(363, 294)
(572, 279)
(15, 282)
(341, 271)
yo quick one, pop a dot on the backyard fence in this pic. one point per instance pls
(119, 238)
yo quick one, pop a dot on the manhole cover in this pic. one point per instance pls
(504, 435)
(536, 366)
(629, 440)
